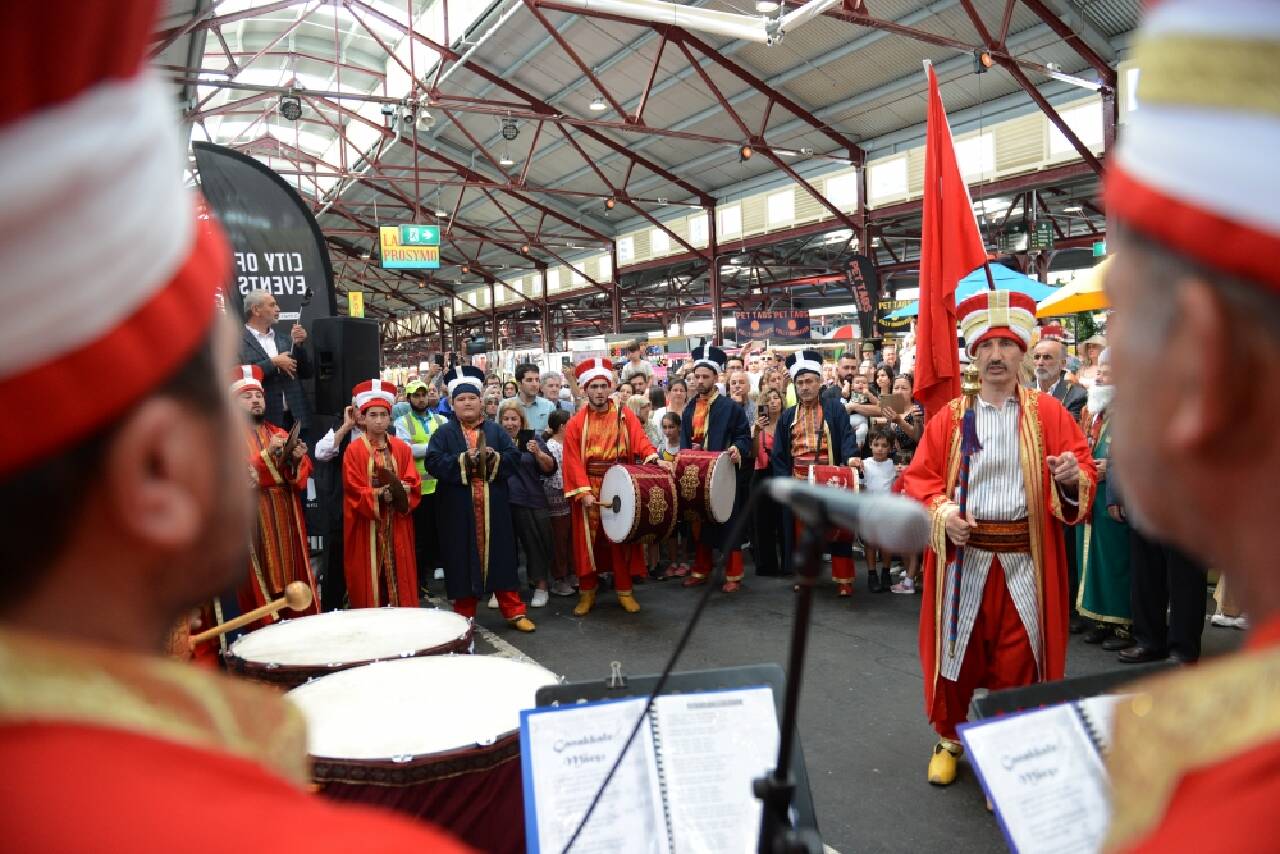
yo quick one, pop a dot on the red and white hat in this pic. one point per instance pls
(110, 275)
(246, 376)
(374, 393)
(1195, 167)
(996, 314)
(593, 369)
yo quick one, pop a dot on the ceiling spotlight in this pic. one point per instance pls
(610, 202)
(1074, 209)
(524, 248)
(291, 107)
(506, 161)
(982, 61)
(440, 214)
(765, 7)
(744, 153)
(598, 105)
(510, 129)
(465, 269)
(424, 120)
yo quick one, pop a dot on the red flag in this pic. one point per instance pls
(950, 248)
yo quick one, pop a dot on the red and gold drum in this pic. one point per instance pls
(291, 652)
(840, 477)
(436, 738)
(708, 485)
(637, 503)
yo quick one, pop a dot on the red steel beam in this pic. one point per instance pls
(1071, 37)
(1017, 74)
(574, 58)
(648, 86)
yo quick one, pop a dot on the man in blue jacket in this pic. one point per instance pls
(815, 431)
(713, 422)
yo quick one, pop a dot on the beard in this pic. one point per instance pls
(1045, 375)
(258, 418)
(1100, 397)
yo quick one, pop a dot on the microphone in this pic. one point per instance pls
(888, 521)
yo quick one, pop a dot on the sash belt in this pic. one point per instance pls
(598, 468)
(1001, 537)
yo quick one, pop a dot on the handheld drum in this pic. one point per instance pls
(707, 483)
(637, 503)
(436, 738)
(291, 652)
(840, 477)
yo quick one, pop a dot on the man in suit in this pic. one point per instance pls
(1050, 357)
(282, 358)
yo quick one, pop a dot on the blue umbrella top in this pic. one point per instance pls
(976, 282)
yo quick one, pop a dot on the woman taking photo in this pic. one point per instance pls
(530, 513)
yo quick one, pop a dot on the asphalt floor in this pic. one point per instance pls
(862, 723)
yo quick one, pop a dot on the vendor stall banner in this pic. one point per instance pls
(781, 325)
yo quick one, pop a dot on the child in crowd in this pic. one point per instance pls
(879, 472)
(860, 406)
(677, 560)
(558, 507)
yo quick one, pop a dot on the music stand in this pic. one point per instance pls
(616, 687)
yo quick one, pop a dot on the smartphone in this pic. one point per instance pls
(522, 438)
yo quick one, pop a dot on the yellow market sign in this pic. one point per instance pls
(355, 303)
(397, 255)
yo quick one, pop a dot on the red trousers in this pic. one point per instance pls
(841, 565)
(702, 563)
(509, 602)
(593, 555)
(998, 656)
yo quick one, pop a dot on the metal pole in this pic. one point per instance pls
(713, 275)
(615, 292)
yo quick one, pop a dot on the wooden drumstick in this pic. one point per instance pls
(297, 596)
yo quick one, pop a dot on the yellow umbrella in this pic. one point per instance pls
(1084, 294)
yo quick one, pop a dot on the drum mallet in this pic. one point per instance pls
(297, 596)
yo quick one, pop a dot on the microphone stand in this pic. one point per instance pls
(777, 790)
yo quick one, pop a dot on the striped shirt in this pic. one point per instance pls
(997, 493)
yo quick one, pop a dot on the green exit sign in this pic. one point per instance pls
(419, 235)
(1099, 248)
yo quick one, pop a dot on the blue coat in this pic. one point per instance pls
(464, 570)
(839, 446)
(726, 427)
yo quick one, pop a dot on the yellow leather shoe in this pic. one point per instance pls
(522, 624)
(628, 602)
(586, 600)
(942, 765)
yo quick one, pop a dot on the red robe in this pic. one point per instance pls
(379, 561)
(107, 752)
(1045, 429)
(278, 550)
(1195, 761)
(601, 438)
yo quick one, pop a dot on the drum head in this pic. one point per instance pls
(723, 489)
(360, 634)
(617, 482)
(417, 706)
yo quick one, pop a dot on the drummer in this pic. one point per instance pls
(714, 422)
(599, 435)
(472, 458)
(815, 431)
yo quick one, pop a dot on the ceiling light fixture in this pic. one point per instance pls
(744, 153)
(1074, 209)
(291, 107)
(765, 7)
(506, 160)
(982, 61)
(598, 105)
(440, 214)
(609, 203)
(510, 129)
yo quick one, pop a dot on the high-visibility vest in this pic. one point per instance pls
(420, 436)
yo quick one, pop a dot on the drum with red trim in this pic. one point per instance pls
(434, 738)
(840, 477)
(707, 482)
(637, 503)
(290, 652)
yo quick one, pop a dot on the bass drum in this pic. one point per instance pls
(434, 738)
(291, 652)
(637, 504)
(708, 485)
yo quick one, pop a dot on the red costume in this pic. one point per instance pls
(378, 543)
(594, 441)
(278, 551)
(1014, 571)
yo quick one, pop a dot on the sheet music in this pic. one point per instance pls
(713, 746)
(567, 751)
(1045, 778)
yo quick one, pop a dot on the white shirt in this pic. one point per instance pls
(327, 447)
(267, 341)
(879, 475)
(997, 493)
